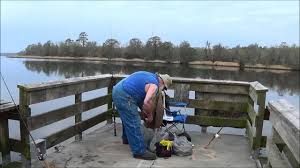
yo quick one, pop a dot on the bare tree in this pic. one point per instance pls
(166, 51)
(111, 48)
(134, 49)
(152, 47)
(82, 39)
(186, 52)
(207, 50)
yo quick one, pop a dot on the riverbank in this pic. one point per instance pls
(206, 63)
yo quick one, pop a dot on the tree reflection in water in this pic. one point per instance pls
(283, 82)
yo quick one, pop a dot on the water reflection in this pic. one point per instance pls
(283, 82)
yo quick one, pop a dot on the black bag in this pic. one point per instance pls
(162, 151)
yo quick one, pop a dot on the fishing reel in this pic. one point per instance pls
(41, 150)
(217, 135)
(41, 156)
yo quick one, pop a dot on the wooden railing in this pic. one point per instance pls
(283, 149)
(254, 124)
(223, 103)
(39, 93)
(216, 103)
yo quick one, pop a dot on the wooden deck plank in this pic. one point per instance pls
(101, 148)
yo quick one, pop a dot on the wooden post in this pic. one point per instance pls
(197, 96)
(257, 92)
(250, 125)
(260, 119)
(4, 141)
(203, 129)
(25, 139)
(250, 131)
(110, 102)
(78, 116)
(198, 111)
(181, 92)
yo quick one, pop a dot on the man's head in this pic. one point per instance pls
(166, 80)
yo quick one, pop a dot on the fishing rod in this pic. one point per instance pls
(40, 156)
(112, 84)
(113, 106)
(215, 136)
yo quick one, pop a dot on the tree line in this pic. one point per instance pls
(156, 49)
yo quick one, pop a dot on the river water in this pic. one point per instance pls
(281, 84)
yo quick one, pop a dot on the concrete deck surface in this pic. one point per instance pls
(101, 148)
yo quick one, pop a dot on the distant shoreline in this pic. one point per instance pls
(206, 63)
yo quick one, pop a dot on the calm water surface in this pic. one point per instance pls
(281, 84)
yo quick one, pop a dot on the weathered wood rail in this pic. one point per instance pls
(216, 103)
(283, 146)
(224, 104)
(8, 111)
(39, 93)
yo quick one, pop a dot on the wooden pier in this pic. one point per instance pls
(217, 103)
(283, 145)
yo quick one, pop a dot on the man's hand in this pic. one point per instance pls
(149, 118)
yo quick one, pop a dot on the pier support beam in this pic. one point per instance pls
(78, 116)
(260, 119)
(198, 111)
(4, 141)
(110, 102)
(25, 139)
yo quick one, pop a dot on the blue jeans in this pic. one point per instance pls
(131, 121)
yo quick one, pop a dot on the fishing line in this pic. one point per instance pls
(38, 151)
(112, 83)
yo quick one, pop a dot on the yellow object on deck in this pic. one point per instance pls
(166, 143)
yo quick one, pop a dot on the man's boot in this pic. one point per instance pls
(146, 156)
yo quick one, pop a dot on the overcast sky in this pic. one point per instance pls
(230, 22)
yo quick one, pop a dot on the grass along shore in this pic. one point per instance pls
(207, 63)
